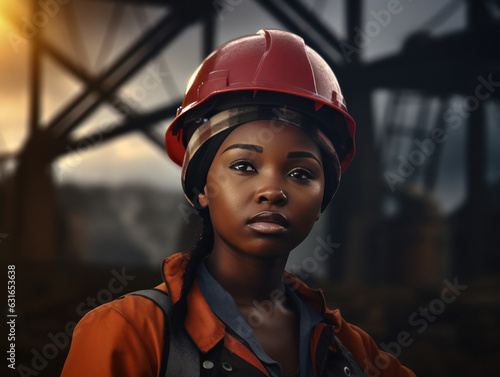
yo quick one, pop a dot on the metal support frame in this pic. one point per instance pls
(426, 70)
(33, 236)
(129, 63)
(35, 82)
(300, 20)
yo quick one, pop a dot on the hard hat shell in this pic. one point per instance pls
(273, 61)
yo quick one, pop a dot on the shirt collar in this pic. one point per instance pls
(308, 319)
(224, 307)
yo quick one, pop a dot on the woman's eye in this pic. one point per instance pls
(242, 166)
(301, 174)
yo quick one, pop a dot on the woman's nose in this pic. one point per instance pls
(271, 192)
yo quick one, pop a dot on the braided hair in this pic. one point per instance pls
(201, 249)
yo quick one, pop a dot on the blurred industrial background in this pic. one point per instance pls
(87, 193)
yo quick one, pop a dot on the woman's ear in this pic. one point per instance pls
(203, 197)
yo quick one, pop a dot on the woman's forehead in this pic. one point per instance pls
(273, 133)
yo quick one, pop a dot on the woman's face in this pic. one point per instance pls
(264, 188)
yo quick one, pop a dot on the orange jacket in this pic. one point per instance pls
(125, 337)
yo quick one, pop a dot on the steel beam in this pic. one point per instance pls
(141, 121)
(278, 10)
(34, 115)
(129, 63)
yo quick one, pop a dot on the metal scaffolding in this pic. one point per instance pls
(430, 66)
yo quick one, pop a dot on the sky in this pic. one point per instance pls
(133, 158)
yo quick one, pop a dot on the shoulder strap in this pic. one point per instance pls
(356, 368)
(183, 357)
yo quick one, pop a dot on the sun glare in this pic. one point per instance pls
(5, 24)
(10, 13)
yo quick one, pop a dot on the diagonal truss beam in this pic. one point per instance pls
(141, 122)
(130, 62)
(300, 20)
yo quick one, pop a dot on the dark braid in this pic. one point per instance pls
(197, 255)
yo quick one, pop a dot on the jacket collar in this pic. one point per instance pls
(204, 327)
(201, 323)
(315, 298)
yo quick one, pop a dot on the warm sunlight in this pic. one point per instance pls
(4, 24)
(12, 17)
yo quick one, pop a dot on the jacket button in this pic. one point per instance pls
(227, 367)
(347, 371)
(207, 364)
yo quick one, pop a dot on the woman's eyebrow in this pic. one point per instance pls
(250, 147)
(303, 154)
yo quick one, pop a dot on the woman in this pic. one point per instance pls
(263, 136)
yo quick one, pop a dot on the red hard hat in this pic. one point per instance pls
(273, 61)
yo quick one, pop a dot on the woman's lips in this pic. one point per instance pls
(269, 223)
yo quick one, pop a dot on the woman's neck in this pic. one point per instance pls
(247, 278)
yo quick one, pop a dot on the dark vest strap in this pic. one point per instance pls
(182, 355)
(352, 368)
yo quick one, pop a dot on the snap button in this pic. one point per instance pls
(227, 367)
(207, 364)
(347, 371)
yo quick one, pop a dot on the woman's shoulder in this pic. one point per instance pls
(131, 326)
(129, 311)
